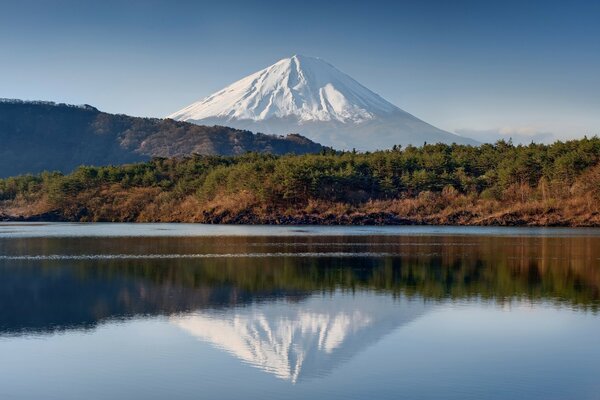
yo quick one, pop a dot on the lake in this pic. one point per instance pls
(178, 311)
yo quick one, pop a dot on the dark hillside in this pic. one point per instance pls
(38, 136)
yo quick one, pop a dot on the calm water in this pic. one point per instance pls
(119, 311)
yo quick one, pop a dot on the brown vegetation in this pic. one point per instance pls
(114, 203)
(502, 184)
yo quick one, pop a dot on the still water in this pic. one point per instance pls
(167, 311)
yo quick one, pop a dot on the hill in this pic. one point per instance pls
(501, 184)
(38, 136)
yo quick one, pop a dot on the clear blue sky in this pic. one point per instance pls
(473, 67)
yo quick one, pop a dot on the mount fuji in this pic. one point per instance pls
(311, 97)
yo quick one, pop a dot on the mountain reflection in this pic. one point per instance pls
(39, 296)
(299, 340)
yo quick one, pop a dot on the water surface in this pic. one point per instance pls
(121, 311)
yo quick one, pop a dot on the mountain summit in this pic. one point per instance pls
(310, 96)
(306, 88)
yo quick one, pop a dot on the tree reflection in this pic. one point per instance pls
(44, 296)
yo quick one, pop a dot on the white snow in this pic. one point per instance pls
(307, 88)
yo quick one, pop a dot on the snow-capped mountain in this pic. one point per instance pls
(309, 96)
(296, 341)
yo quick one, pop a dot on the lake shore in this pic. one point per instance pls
(487, 185)
(240, 211)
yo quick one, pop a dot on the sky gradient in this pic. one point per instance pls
(481, 69)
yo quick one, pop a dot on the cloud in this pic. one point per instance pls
(519, 135)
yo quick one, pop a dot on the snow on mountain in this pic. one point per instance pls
(297, 341)
(304, 87)
(309, 96)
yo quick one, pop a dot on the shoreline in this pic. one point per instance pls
(437, 185)
(372, 219)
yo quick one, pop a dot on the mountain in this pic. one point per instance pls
(309, 96)
(297, 341)
(37, 136)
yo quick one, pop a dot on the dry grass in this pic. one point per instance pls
(574, 205)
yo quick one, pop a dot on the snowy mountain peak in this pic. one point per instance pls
(309, 96)
(301, 87)
(300, 340)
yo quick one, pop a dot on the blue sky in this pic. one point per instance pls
(474, 67)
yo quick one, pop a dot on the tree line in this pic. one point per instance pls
(501, 171)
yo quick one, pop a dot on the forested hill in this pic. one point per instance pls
(498, 184)
(38, 136)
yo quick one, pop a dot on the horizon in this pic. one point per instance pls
(498, 73)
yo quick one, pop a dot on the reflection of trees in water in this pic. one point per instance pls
(48, 295)
(560, 269)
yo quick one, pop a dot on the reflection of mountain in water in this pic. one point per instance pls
(309, 338)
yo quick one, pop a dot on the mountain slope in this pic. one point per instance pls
(37, 136)
(309, 96)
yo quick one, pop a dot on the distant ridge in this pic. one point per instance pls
(47, 103)
(40, 135)
(310, 96)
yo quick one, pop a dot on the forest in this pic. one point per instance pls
(37, 136)
(491, 184)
